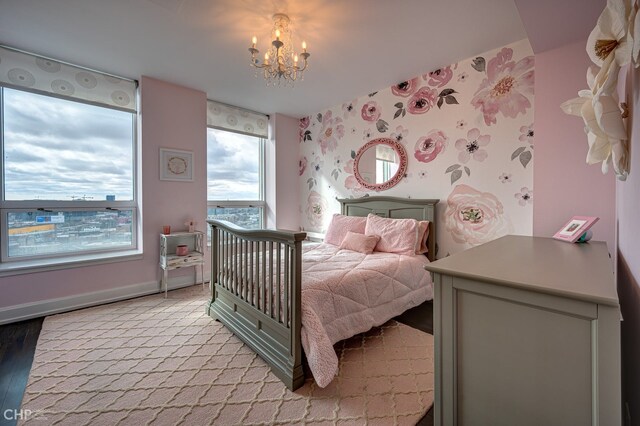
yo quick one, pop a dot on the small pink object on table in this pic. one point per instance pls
(166, 229)
(182, 250)
(574, 229)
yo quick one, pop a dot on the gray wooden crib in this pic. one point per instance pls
(256, 278)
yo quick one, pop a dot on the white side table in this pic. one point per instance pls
(169, 260)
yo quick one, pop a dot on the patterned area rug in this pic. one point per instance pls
(164, 361)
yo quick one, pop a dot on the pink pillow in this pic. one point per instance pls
(340, 225)
(396, 235)
(423, 234)
(359, 242)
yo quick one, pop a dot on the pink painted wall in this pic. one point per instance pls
(286, 168)
(628, 265)
(281, 174)
(171, 116)
(564, 184)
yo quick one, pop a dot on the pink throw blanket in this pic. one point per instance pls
(346, 292)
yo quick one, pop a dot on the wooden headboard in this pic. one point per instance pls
(396, 208)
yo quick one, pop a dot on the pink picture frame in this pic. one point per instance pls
(574, 228)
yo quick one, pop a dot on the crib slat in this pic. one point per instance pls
(285, 301)
(239, 263)
(250, 277)
(270, 295)
(256, 279)
(220, 256)
(278, 257)
(227, 251)
(245, 279)
(223, 259)
(263, 283)
(241, 270)
(236, 265)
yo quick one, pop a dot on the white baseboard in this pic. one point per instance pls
(42, 308)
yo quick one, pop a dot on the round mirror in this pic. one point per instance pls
(380, 164)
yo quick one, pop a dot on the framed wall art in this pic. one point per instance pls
(574, 229)
(176, 165)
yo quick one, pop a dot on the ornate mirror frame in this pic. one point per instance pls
(396, 178)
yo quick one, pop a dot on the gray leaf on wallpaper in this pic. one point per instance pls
(311, 181)
(397, 114)
(517, 152)
(450, 100)
(466, 169)
(525, 157)
(478, 64)
(457, 174)
(446, 92)
(399, 105)
(319, 117)
(382, 126)
(452, 168)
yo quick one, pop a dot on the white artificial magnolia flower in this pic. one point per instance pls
(606, 133)
(610, 44)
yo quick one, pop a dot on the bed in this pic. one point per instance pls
(257, 280)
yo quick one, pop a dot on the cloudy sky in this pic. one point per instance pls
(233, 166)
(56, 149)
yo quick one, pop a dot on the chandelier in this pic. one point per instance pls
(281, 65)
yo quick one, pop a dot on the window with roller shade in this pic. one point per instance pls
(235, 165)
(69, 165)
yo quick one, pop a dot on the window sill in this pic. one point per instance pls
(53, 264)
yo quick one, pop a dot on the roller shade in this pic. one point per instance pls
(38, 74)
(233, 119)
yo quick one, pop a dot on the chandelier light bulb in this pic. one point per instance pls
(277, 34)
(254, 41)
(304, 46)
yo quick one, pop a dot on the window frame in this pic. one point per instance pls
(79, 258)
(261, 203)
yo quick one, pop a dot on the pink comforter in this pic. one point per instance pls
(345, 293)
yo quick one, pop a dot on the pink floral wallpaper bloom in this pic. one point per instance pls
(468, 131)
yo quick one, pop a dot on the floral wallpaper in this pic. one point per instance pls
(468, 132)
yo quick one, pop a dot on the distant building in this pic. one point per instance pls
(111, 197)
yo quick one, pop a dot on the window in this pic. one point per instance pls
(68, 177)
(235, 178)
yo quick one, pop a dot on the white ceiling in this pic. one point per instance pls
(356, 46)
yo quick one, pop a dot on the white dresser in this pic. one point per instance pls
(527, 332)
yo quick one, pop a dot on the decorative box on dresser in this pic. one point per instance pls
(527, 332)
(170, 259)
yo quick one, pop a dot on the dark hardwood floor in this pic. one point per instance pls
(18, 345)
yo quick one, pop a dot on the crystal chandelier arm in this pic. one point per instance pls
(304, 56)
